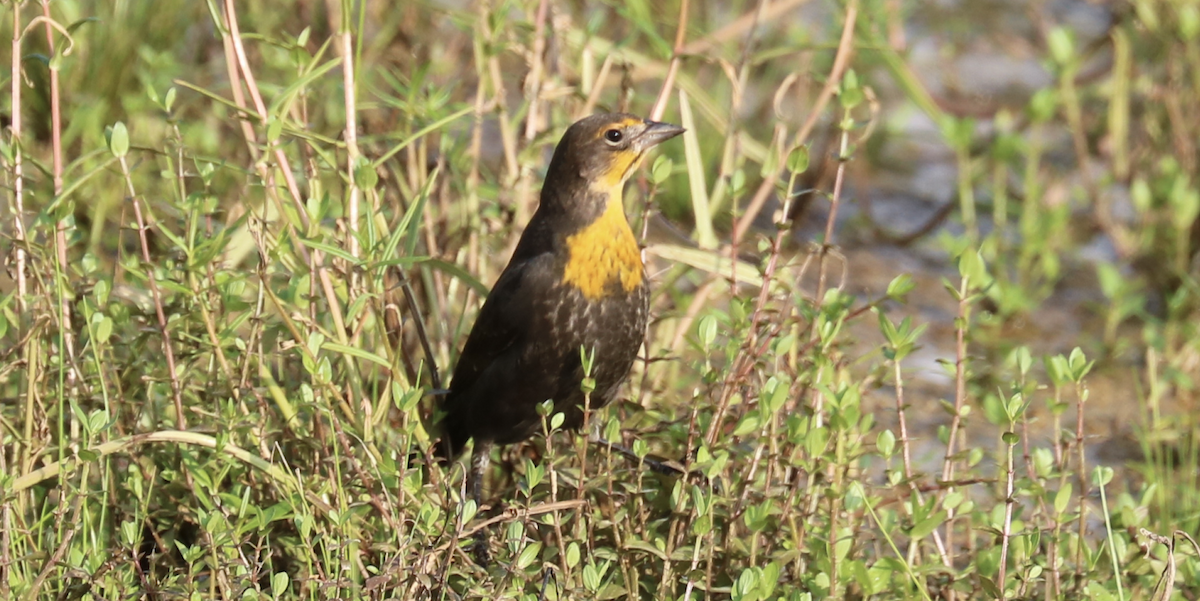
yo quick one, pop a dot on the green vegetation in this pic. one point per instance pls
(200, 398)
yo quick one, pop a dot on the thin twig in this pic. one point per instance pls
(1006, 528)
(148, 266)
(1081, 457)
(20, 451)
(60, 229)
(284, 167)
(280, 475)
(960, 399)
(346, 39)
(738, 26)
(597, 88)
(660, 104)
(51, 563)
(840, 62)
(15, 77)
(533, 81)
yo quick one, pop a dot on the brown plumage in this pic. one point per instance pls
(575, 280)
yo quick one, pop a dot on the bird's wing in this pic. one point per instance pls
(488, 365)
(504, 319)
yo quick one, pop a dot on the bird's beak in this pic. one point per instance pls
(656, 133)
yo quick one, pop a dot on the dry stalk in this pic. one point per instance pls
(841, 62)
(660, 104)
(164, 330)
(284, 167)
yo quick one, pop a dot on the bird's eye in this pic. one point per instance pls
(613, 136)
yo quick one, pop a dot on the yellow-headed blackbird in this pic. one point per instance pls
(575, 281)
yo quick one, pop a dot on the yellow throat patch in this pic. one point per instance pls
(604, 252)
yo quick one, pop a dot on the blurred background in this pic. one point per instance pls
(259, 228)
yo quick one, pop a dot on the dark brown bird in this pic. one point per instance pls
(575, 281)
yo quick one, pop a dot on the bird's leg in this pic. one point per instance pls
(479, 464)
(480, 458)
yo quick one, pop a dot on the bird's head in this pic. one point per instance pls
(600, 152)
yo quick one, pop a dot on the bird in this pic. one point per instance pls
(575, 284)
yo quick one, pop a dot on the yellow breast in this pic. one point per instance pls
(603, 253)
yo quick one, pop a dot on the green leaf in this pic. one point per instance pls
(103, 329)
(888, 329)
(356, 352)
(749, 423)
(924, 527)
(1043, 104)
(769, 579)
(274, 129)
(1062, 46)
(953, 499)
(885, 443)
(900, 286)
(402, 261)
(593, 575)
(1062, 498)
(365, 176)
(641, 545)
(744, 587)
(130, 533)
(424, 131)
(279, 584)
(528, 554)
(97, 421)
(972, 267)
(324, 370)
(1024, 359)
(306, 80)
(663, 166)
(1189, 22)
(572, 554)
(850, 93)
(469, 509)
(1079, 365)
(1043, 462)
(1185, 206)
(73, 27)
(952, 289)
(460, 273)
(1057, 369)
(332, 250)
(1015, 407)
(959, 132)
(737, 182)
(776, 393)
(798, 159)
(989, 587)
(707, 331)
(1097, 592)
(783, 345)
(118, 140)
